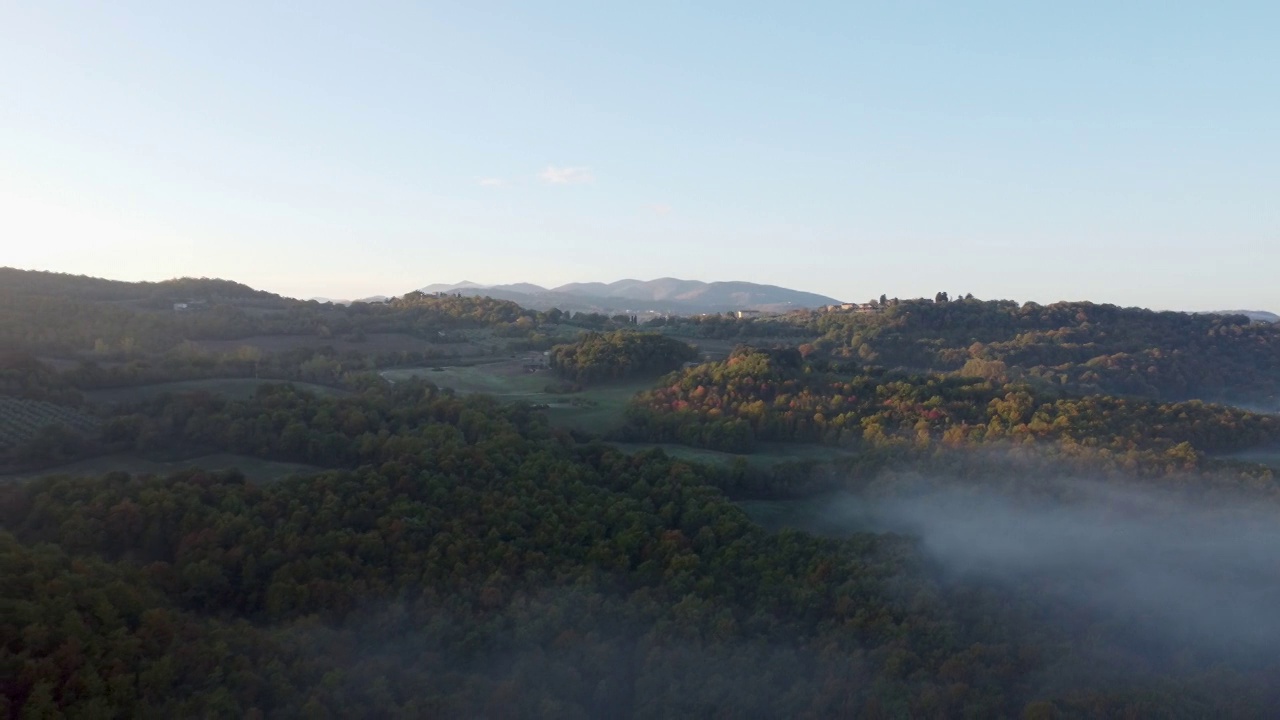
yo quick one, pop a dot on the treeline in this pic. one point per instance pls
(68, 326)
(151, 294)
(23, 376)
(61, 433)
(472, 562)
(760, 395)
(322, 365)
(596, 357)
(728, 326)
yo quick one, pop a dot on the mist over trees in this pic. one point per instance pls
(979, 509)
(475, 554)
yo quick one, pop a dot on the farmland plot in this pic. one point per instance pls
(21, 419)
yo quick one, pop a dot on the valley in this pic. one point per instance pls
(881, 361)
(542, 495)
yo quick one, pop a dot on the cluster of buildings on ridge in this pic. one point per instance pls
(854, 307)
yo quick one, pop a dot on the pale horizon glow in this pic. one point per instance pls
(1124, 155)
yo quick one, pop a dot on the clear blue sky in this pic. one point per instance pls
(1120, 152)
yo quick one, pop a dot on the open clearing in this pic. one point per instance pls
(837, 514)
(504, 379)
(684, 452)
(597, 409)
(233, 388)
(1270, 458)
(255, 469)
(769, 455)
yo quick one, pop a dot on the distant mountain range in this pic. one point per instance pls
(371, 299)
(666, 295)
(1254, 315)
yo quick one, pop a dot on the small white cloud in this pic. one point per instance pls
(492, 182)
(660, 209)
(567, 175)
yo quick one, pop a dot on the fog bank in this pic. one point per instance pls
(1159, 567)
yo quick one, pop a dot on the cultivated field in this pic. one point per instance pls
(261, 471)
(21, 419)
(234, 388)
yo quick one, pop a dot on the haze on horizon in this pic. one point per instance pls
(1123, 155)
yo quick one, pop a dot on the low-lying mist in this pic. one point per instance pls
(1160, 571)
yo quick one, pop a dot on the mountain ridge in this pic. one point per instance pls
(1254, 315)
(666, 294)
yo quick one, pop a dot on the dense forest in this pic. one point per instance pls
(619, 354)
(473, 562)
(1084, 347)
(1021, 511)
(762, 395)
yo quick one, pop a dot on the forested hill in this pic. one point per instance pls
(158, 294)
(1082, 346)
(619, 354)
(68, 315)
(776, 396)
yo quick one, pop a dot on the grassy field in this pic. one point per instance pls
(596, 409)
(684, 452)
(234, 388)
(768, 455)
(504, 379)
(262, 471)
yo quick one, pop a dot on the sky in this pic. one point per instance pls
(1123, 152)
